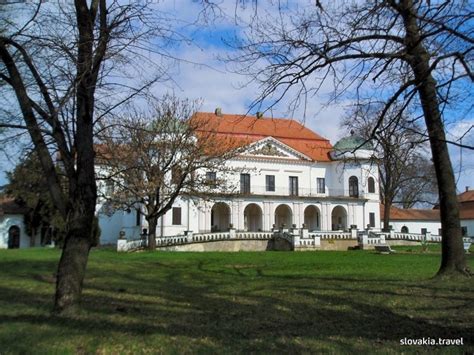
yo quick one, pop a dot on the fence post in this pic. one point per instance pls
(304, 232)
(121, 245)
(382, 238)
(354, 232)
(317, 241)
(189, 236)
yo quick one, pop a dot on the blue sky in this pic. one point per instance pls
(201, 75)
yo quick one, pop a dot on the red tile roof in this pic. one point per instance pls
(466, 213)
(467, 196)
(250, 129)
(411, 214)
(466, 210)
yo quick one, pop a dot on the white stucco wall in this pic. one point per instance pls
(196, 217)
(469, 223)
(416, 226)
(6, 222)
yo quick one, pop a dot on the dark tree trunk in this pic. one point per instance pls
(387, 202)
(453, 258)
(72, 265)
(152, 223)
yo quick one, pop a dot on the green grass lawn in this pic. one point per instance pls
(268, 302)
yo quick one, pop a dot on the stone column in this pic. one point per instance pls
(325, 217)
(240, 215)
(207, 218)
(297, 207)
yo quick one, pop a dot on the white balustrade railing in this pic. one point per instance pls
(332, 235)
(415, 237)
(130, 245)
(297, 237)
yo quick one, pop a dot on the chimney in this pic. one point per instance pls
(218, 111)
(259, 114)
(467, 188)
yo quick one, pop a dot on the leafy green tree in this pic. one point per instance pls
(27, 184)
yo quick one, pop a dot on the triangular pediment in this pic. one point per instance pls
(272, 148)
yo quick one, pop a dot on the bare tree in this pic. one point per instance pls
(419, 186)
(413, 53)
(406, 174)
(153, 156)
(64, 68)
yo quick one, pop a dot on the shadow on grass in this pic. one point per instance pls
(239, 309)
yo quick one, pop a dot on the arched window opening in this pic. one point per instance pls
(14, 237)
(371, 183)
(253, 218)
(353, 187)
(220, 217)
(283, 216)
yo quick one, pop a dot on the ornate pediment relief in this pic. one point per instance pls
(268, 149)
(273, 148)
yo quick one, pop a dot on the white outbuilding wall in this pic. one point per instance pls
(8, 221)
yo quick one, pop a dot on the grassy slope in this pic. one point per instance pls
(235, 302)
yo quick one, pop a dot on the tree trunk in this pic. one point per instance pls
(453, 260)
(72, 266)
(152, 223)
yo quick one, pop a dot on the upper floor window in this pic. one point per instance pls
(176, 216)
(353, 186)
(270, 182)
(244, 183)
(371, 183)
(211, 178)
(293, 186)
(321, 185)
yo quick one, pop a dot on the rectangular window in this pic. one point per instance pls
(372, 219)
(440, 231)
(244, 183)
(211, 178)
(270, 182)
(138, 218)
(293, 186)
(464, 231)
(321, 185)
(176, 216)
(424, 230)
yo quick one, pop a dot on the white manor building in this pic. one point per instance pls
(286, 175)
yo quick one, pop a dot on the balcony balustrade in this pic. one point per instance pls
(302, 192)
